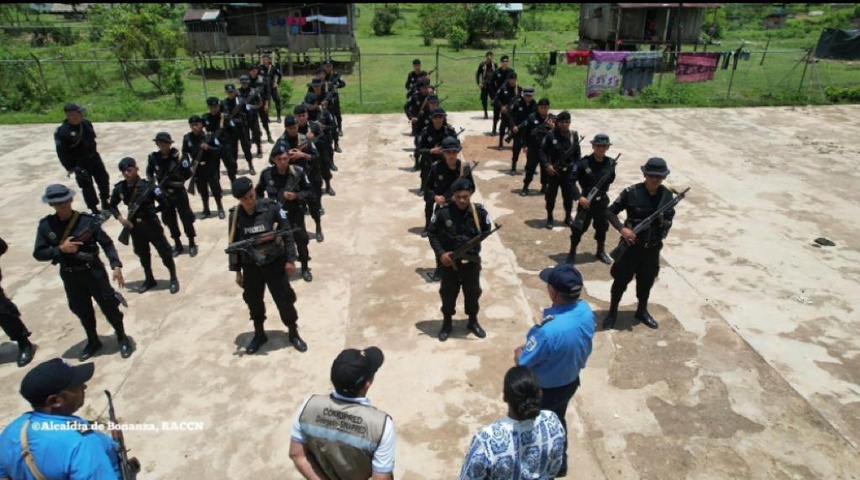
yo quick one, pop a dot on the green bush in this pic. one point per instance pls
(457, 38)
(539, 68)
(843, 94)
(285, 91)
(174, 83)
(383, 22)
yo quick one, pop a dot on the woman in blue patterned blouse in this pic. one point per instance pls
(528, 443)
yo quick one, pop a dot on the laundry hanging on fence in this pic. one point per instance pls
(726, 58)
(328, 20)
(604, 71)
(696, 67)
(637, 71)
(577, 57)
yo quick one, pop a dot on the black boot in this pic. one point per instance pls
(475, 327)
(125, 346)
(259, 338)
(436, 275)
(643, 316)
(178, 249)
(549, 222)
(601, 254)
(295, 340)
(525, 191)
(149, 283)
(93, 345)
(571, 256)
(220, 206)
(192, 248)
(307, 275)
(319, 234)
(446, 328)
(567, 220)
(174, 282)
(609, 321)
(25, 352)
(251, 167)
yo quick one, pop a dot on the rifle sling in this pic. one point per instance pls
(234, 223)
(475, 216)
(27, 455)
(71, 226)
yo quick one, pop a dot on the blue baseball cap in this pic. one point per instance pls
(564, 278)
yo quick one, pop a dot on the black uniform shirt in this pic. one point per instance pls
(534, 129)
(440, 178)
(589, 171)
(128, 194)
(165, 170)
(191, 149)
(561, 150)
(431, 138)
(267, 217)
(213, 125)
(74, 142)
(484, 74)
(234, 109)
(507, 94)
(639, 204)
(450, 228)
(519, 110)
(49, 236)
(273, 184)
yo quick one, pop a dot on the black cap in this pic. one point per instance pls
(195, 119)
(244, 79)
(73, 107)
(564, 278)
(310, 98)
(438, 113)
(162, 137)
(504, 58)
(316, 82)
(543, 101)
(601, 139)
(461, 184)
(352, 368)
(451, 144)
(512, 75)
(529, 91)
(290, 120)
(278, 149)
(300, 108)
(127, 162)
(416, 62)
(328, 61)
(241, 186)
(488, 54)
(432, 97)
(424, 82)
(563, 116)
(655, 166)
(229, 88)
(57, 193)
(52, 377)
(212, 101)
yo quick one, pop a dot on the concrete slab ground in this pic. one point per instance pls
(753, 372)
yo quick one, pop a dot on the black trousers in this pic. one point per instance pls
(556, 400)
(515, 156)
(264, 121)
(146, 232)
(429, 208)
(82, 287)
(10, 319)
(504, 123)
(228, 156)
(297, 220)
(485, 98)
(468, 277)
(594, 214)
(237, 138)
(254, 129)
(532, 163)
(272, 276)
(177, 205)
(208, 179)
(424, 164)
(277, 98)
(638, 261)
(88, 170)
(326, 160)
(497, 110)
(563, 181)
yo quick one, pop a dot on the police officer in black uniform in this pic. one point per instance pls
(333, 83)
(261, 85)
(170, 171)
(144, 228)
(426, 115)
(559, 154)
(219, 127)
(272, 73)
(533, 130)
(505, 96)
(588, 172)
(200, 147)
(483, 77)
(428, 149)
(10, 321)
(253, 102)
(497, 81)
(285, 182)
(259, 218)
(451, 227)
(75, 140)
(440, 180)
(416, 104)
(237, 114)
(519, 110)
(72, 239)
(412, 77)
(300, 134)
(642, 258)
(324, 127)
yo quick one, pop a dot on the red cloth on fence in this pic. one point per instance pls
(297, 21)
(696, 67)
(577, 57)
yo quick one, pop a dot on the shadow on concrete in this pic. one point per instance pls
(424, 273)
(109, 347)
(539, 223)
(458, 332)
(623, 322)
(278, 340)
(132, 287)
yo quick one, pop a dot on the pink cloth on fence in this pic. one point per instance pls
(604, 71)
(577, 57)
(696, 67)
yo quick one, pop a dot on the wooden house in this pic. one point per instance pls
(617, 26)
(775, 20)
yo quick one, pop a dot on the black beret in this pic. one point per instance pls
(416, 62)
(451, 144)
(290, 120)
(73, 107)
(461, 184)
(126, 162)
(212, 101)
(504, 58)
(241, 186)
(300, 108)
(195, 119)
(438, 113)
(563, 116)
(543, 101)
(229, 88)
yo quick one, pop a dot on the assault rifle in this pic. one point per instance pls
(192, 185)
(579, 220)
(460, 253)
(248, 244)
(140, 199)
(622, 247)
(88, 234)
(128, 467)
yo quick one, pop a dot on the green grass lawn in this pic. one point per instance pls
(376, 82)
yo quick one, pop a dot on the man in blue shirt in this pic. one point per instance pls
(558, 348)
(50, 441)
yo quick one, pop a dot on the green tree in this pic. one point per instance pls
(540, 69)
(141, 35)
(383, 21)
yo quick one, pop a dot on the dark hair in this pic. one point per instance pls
(522, 392)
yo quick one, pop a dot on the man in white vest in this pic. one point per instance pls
(341, 435)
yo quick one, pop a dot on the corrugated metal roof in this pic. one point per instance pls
(668, 5)
(510, 7)
(193, 15)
